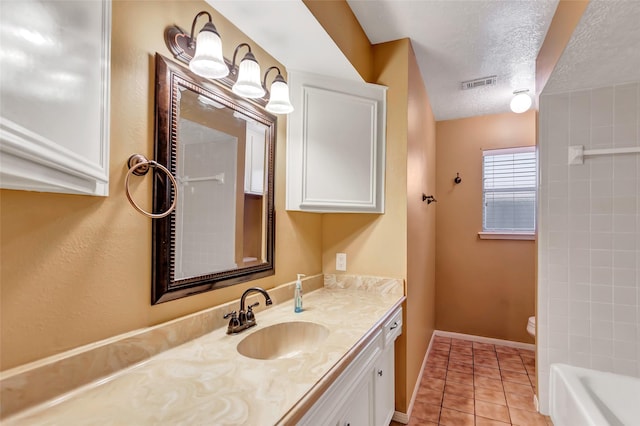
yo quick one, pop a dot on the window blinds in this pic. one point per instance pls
(509, 190)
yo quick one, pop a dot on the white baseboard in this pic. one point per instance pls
(480, 339)
(399, 416)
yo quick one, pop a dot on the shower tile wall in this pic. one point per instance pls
(206, 231)
(589, 234)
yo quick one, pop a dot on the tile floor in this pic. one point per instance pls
(468, 383)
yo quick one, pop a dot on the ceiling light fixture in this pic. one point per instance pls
(204, 57)
(521, 102)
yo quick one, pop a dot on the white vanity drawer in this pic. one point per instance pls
(393, 327)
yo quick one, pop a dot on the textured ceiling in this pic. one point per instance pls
(604, 49)
(456, 41)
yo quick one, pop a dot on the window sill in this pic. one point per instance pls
(507, 235)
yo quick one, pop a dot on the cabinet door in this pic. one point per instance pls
(384, 395)
(358, 408)
(54, 124)
(254, 160)
(335, 145)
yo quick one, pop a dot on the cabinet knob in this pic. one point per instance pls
(380, 373)
(394, 326)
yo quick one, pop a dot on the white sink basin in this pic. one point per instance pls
(284, 340)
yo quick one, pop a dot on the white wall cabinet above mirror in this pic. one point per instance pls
(54, 86)
(335, 145)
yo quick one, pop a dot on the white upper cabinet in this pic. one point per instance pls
(254, 159)
(335, 145)
(54, 89)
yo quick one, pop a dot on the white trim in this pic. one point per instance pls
(486, 235)
(490, 340)
(399, 416)
(504, 151)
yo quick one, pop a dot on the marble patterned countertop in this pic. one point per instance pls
(206, 381)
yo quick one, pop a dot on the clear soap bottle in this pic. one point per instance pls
(297, 295)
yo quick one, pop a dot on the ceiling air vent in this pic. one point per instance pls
(479, 82)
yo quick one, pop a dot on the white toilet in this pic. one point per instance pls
(531, 326)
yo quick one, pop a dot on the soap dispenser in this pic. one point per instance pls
(297, 295)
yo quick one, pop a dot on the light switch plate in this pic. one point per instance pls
(341, 261)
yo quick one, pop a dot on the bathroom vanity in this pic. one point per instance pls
(340, 374)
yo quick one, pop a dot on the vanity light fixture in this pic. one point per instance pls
(208, 60)
(204, 57)
(248, 81)
(279, 102)
(521, 102)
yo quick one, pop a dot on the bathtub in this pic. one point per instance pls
(579, 396)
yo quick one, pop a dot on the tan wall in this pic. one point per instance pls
(484, 287)
(77, 269)
(384, 245)
(338, 20)
(421, 227)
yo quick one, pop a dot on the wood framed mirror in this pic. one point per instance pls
(221, 150)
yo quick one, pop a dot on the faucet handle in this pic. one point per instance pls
(251, 318)
(234, 322)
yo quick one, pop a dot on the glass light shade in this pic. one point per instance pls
(520, 103)
(279, 102)
(248, 84)
(208, 61)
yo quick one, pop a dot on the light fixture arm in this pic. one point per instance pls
(192, 39)
(235, 54)
(264, 80)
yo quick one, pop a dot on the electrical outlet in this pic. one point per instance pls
(341, 261)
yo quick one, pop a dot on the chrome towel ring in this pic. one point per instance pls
(139, 165)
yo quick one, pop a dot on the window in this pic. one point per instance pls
(509, 191)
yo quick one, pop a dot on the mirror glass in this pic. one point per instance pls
(220, 148)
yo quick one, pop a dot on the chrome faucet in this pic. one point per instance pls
(243, 320)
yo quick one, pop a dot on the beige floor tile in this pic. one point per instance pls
(492, 373)
(485, 382)
(524, 402)
(481, 353)
(455, 376)
(492, 411)
(461, 359)
(490, 395)
(516, 367)
(460, 389)
(481, 421)
(519, 388)
(484, 346)
(461, 343)
(434, 372)
(435, 384)
(459, 403)
(461, 350)
(460, 367)
(429, 396)
(425, 412)
(526, 418)
(510, 376)
(450, 417)
(485, 362)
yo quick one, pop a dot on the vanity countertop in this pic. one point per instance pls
(206, 381)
